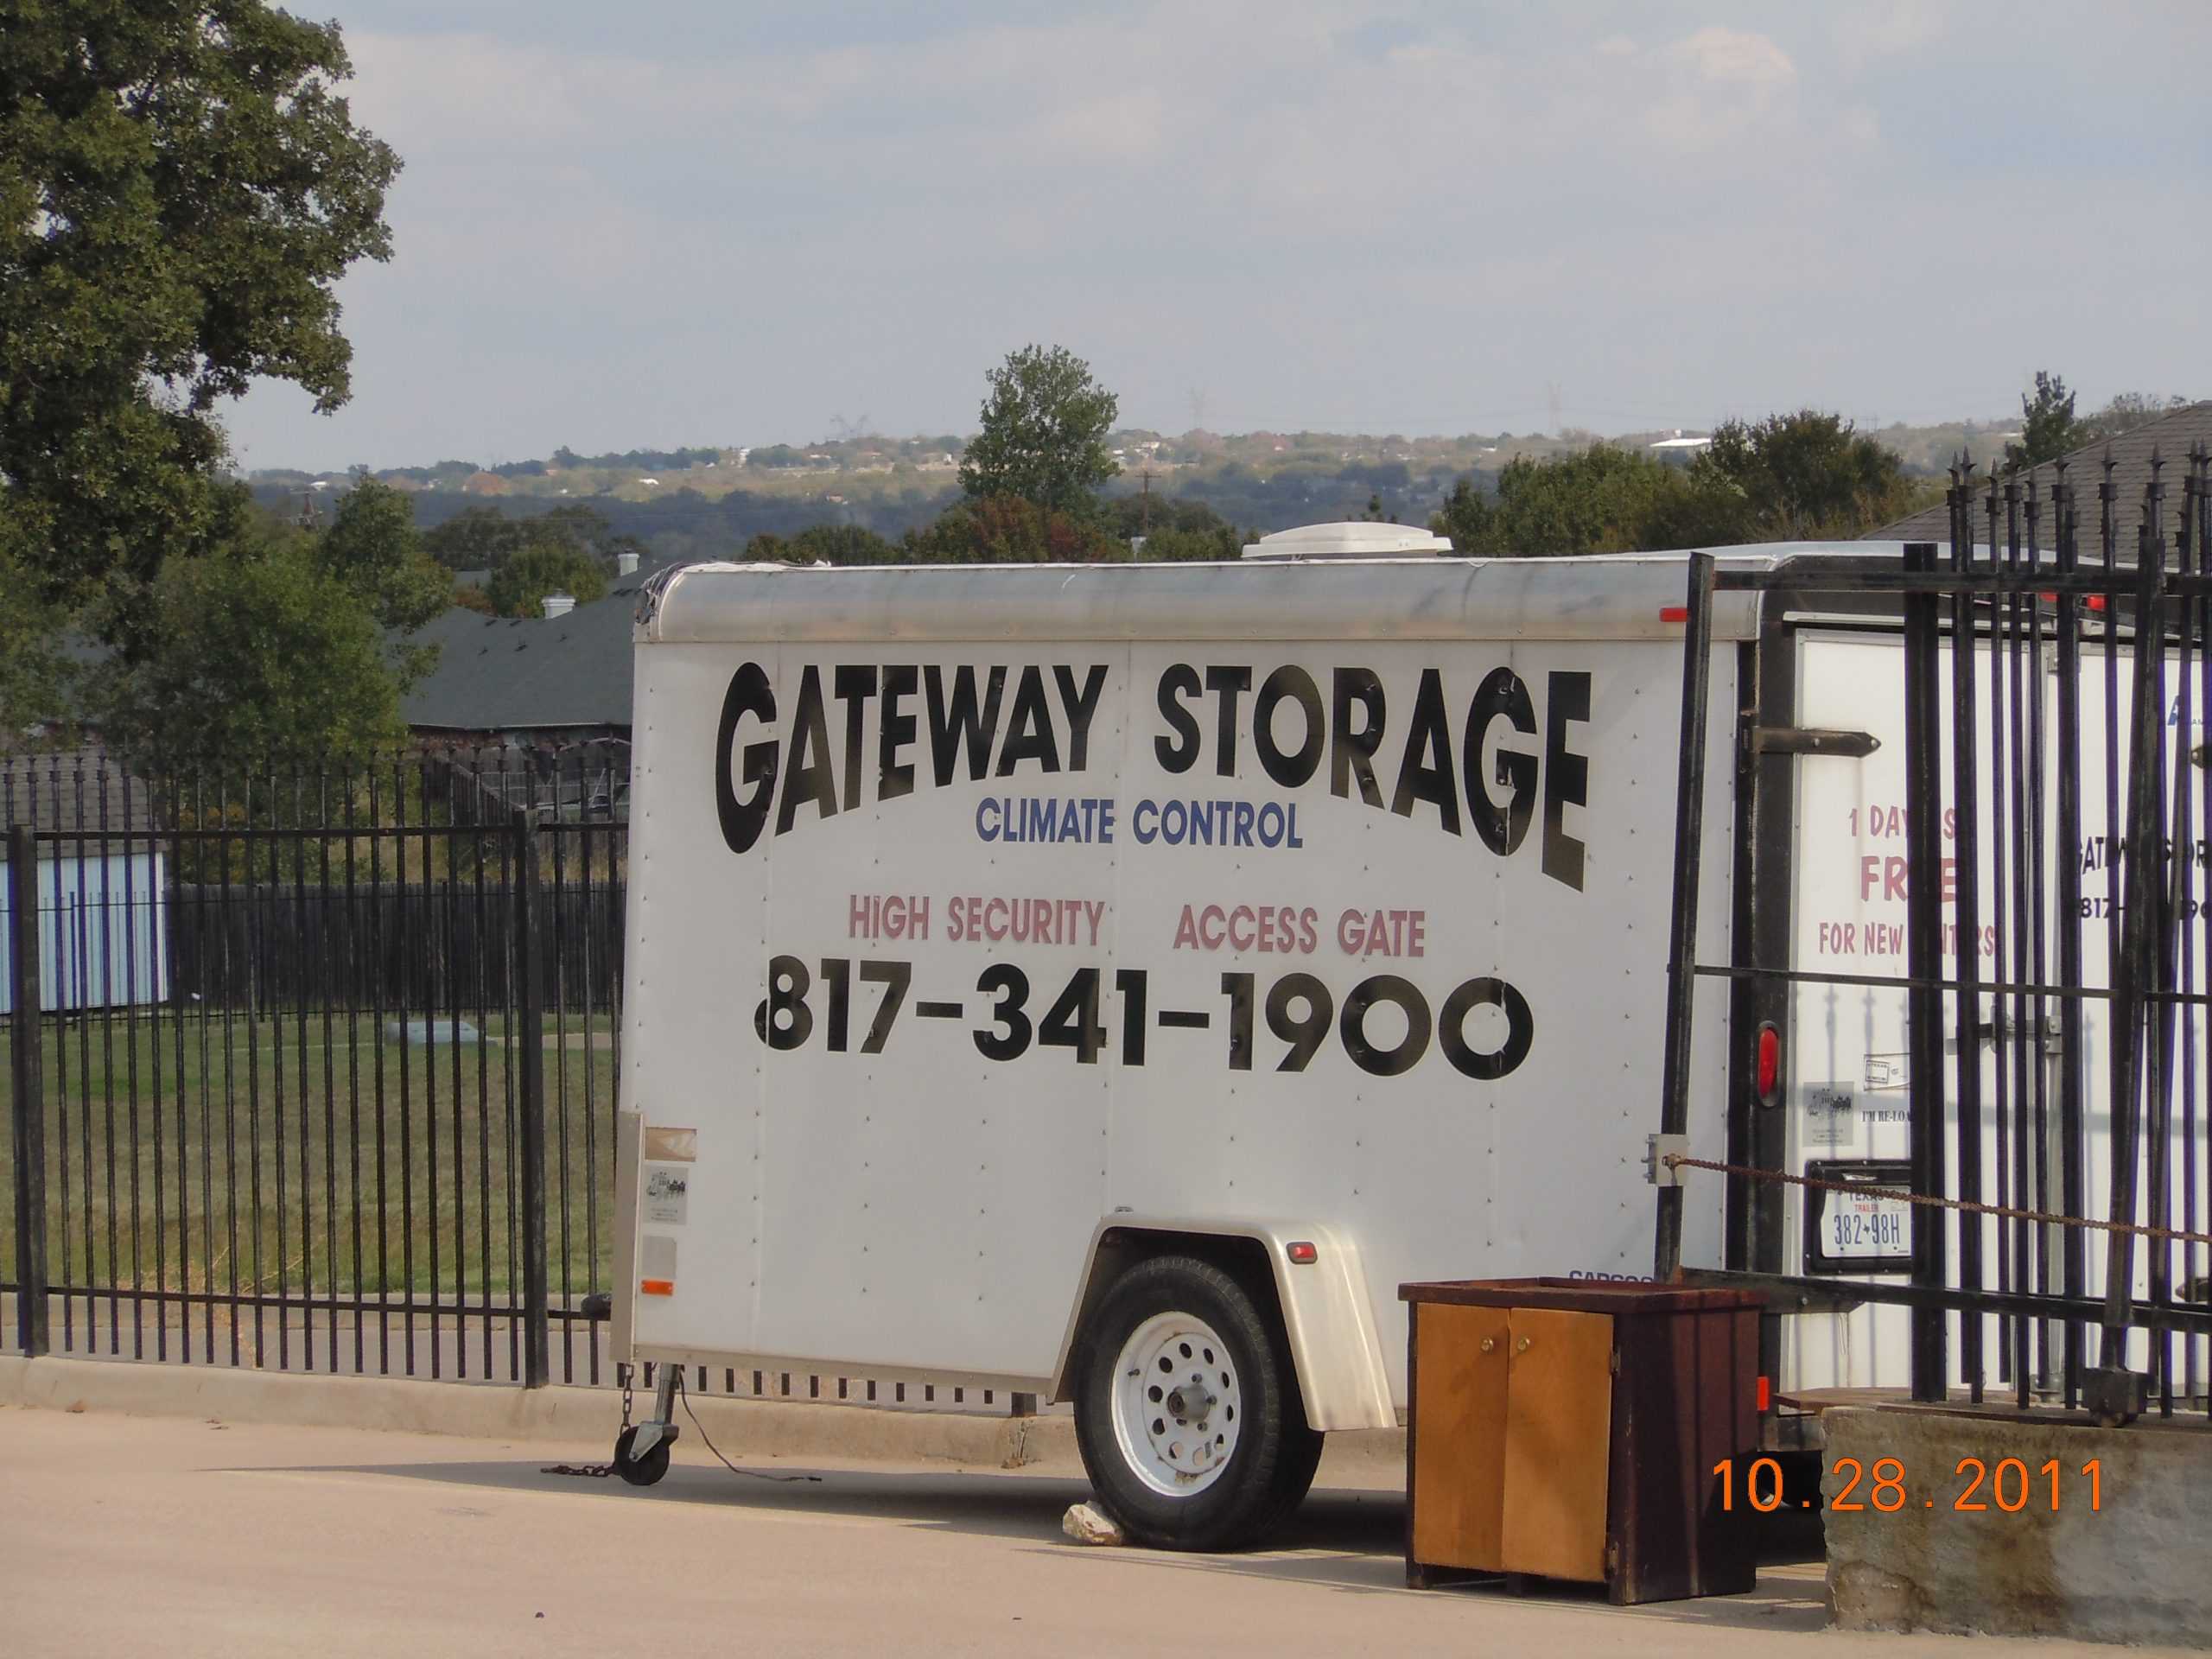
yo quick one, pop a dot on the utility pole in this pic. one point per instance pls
(1144, 510)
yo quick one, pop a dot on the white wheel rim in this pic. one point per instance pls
(1178, 1405)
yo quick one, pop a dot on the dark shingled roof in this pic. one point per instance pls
(73, 791)
(2171, 435)
(500, 673)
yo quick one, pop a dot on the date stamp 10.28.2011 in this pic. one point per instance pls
(2009, 1486)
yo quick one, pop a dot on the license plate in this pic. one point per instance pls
(1860, 1228)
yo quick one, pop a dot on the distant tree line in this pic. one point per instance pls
(1807, 476)
(650, 460)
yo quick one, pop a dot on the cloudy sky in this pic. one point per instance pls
(709, 221)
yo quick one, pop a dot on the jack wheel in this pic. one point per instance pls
(639, 1472)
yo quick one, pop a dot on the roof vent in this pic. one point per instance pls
(1356, 539)
(559, 605)
(625, 564)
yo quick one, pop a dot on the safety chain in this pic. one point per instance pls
(595, 1471)
(1973, 1207)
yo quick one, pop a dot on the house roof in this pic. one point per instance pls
(504, 674)
(2170, 436)
(73, 791)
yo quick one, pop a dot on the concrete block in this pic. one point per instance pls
(2132, 1569)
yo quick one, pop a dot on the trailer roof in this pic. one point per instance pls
(1606, 596)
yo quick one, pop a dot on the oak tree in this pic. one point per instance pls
(1043, 434)
(182, 186)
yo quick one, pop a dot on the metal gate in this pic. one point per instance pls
(314, 1070)
(2056, 960)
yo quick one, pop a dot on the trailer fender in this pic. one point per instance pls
(1326, 1313)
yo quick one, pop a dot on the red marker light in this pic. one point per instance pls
(2096, 602)
(1673, 613)
(1770, 1064)
(1766, 1394)
(656, 1286)
(1301, 1254)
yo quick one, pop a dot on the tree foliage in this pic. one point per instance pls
(374, 550)
(1011, 529)
(1602, 499)
(2126, 412)
(484, 539)
(35, 672)
(180, 189)
(1787, 478)
(825, 544)
(1044, 432)
(2048, 428)
(475, 538)
(520, 585)
(1806, 476)
(264, 657)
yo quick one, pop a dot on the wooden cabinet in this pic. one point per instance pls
(1568, 1429)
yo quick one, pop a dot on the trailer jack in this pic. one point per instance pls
(641, 1449)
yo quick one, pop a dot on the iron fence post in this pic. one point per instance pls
(1924, 761)
(27, 1114)
(2112, 1391)
(529, 1098)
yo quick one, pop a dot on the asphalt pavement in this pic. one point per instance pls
(139, 1536)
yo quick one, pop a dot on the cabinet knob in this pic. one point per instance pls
(1489, 1343)
(1522, 1346)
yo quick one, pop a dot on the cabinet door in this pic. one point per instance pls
(1460, 1360)
(1558, 1419)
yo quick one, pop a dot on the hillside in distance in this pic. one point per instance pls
(708, 501)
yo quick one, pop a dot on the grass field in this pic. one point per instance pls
(221, 1151)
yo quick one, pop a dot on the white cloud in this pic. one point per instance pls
(594, 242)
(1728, 57)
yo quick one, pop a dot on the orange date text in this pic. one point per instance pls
(1975, 1486)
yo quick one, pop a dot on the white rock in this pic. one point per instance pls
(1088, 1525)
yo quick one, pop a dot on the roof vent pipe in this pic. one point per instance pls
(559, 605)
(625, 564)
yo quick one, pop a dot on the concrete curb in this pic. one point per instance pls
(743, 1428)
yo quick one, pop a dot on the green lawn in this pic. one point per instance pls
(206, 1152)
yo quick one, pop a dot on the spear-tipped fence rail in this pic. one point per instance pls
(2008, 1046)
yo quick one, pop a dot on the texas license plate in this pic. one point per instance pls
(1863, 1228)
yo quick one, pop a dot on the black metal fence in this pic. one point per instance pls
(2056, 1102)
(314, 1072)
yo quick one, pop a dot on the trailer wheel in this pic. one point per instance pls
(639, 1472)
(1186, 1409)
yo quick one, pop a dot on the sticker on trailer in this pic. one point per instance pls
(668, 1194)
(1831, 1117)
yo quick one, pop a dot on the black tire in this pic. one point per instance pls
(1271, 1463)
(639, 1472)
(1294, 1470)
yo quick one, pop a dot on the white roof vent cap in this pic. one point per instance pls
(1354, 539)
(559, 605)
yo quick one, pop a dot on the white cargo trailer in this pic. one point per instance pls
(1111, 983)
